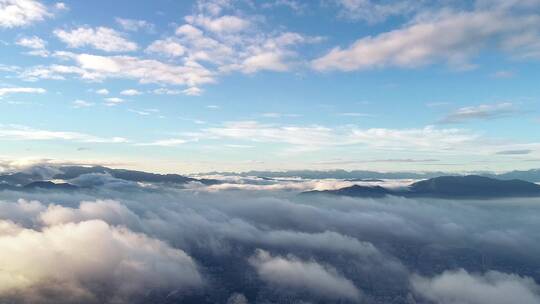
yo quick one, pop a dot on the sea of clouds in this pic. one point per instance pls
(253, 240)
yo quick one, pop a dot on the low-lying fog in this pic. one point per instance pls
(255, 240)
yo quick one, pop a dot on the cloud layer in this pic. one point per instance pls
(116, 241)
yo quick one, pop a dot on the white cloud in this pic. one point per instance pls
(419, 42)
(101, 38)
(271, 54)
(222, 24)
(9, 68)
(61, 6)
(193, 91)
(36, 44)
(168, 47)
(102, 92)
(76, 258)
(113, 101)
(14, 13)
(145, 70)
(55, 72)
(15, 90)
(264, 61)
(303, 276)
(171, 142)
(130, 92)
(316, 137)
(165, 91)
(16, 132)
(110, 211)
(236, 43)
(79, 103)
(493, 287)
(135, 25)
(33, 42)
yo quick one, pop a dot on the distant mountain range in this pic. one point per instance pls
(33, 180)
(337, 174)
(469, 186)
(456, 187)
(70, 172)
(532, 175)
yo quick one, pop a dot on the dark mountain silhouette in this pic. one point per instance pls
(70, 172)
(50, 186)
(26, 180)
(473, 186)
(532, 175)
(470, 186)
(19, 178)
(357, 191)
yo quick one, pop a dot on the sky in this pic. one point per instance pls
(225, 85)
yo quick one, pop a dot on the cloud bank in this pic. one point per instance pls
(119, 241)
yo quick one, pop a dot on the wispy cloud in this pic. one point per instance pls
(16, 90)
(18, 133)
(131, 92)
(171, 142)
(79, 103)
(483, 112)
(135, 25)
(514, 152)
(101, 38)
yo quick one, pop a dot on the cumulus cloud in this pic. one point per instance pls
(463, 287)
(234, 43)
(297, 275)
(214, 40)
(220, 24)
(15, 13)
(418, 43)
(135, 25)
(33, 42)
(168, 47)
(101, 38)
(113, 101)
(109, 211)
(95, 67)
(79, 258)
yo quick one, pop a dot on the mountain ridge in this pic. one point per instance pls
(469, 186)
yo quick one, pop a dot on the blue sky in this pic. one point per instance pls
(191, 86)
